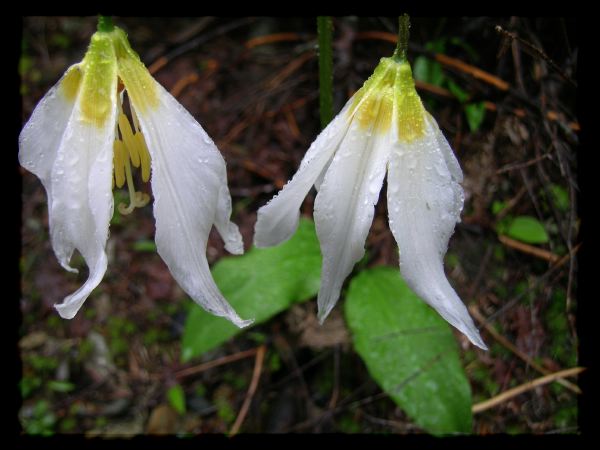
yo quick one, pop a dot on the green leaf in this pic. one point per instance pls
(429, 71)
(458, 92)
(560, 197)
(498, 206)
(475, 113)
(176, 398)
(259, 285)
(526, 229)
(409, 350)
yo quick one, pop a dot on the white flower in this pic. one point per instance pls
(383, 128)
(79, 136)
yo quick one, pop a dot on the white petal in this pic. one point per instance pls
(424, 204)
(189, 183)
(76, 169)
(278, 220)
(344, 207)
(42, 134)
(447, 152)
(228, 230)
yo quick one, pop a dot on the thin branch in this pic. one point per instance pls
(215, 363)
(529, 249)
(506, 395)
(258, 363)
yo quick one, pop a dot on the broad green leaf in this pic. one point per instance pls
(409, 350)
(176, 398)
(475, 113)
(259, 285)
(526, 229)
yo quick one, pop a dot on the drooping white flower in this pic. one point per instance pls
(383, 128)
(79, 136)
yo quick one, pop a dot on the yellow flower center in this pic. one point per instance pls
(130, 149)
(389, 95)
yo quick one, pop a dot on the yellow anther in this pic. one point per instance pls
(144, 156)
(131, 149)
(119, 163)
(128, 139)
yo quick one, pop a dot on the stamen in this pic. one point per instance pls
(142, 147)
(144, 156)
(136, 199)
(119, 163)
(129, 139)
(130, 149)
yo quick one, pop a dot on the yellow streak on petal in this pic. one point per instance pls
(410, 110)
(373, 103)
(391, 86)
(70, 82)
(140, 85)
(99, 80)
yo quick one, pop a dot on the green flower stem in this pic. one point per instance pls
(402, 45)
(325, 30)
(105, 24)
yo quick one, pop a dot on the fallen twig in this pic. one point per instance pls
(184, 82)
(506, 395)
(271, 38)
(258, 362)
(529, 249)
(217, 362)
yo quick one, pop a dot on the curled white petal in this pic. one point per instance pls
(190, 195)
(228, 230)
(344, 207)
(424, 204)
(40, 141)
(73, 158)
(278, 220)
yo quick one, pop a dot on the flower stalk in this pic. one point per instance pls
(403, 33)
(105, 24)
